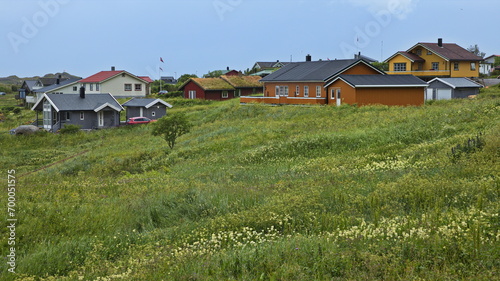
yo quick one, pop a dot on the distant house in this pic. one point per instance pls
(487, 65)
(221, 88)
(119, 83)
(150, 108)
(377, 89)
(263, 69)
(169, 80)
(66, 86)
(430, 60)
(451, 88)
(87, 111)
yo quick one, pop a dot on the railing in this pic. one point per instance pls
(282, 100)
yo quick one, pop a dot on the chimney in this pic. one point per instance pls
(112, 68)
(227, 68)
(82, 92)
(308, 58)
(440, 42)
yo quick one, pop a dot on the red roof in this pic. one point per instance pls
(101, 76)
(146, 78)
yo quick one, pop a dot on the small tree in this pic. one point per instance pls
(171, 127)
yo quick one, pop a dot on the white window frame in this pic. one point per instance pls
(97, 86)
(435, 66)
(400, 66)
(82, 115)
(128, 87)
(91, 87)
(192, 94)
(473, 66)
(297, 90)
(306, 91)
(318, 91)
(225, 94)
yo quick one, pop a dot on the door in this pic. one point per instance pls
(335, 95)
(444, 94)
(100, 118)
(430, 93)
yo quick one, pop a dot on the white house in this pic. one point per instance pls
(119, 83)
(486, 66)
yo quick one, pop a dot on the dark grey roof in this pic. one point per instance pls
(457, 82)
(55, 86)
(73, 102)
(310, 70)
(145, 102)
(31, 84)
(383, 80)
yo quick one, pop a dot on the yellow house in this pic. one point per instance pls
(430, 60)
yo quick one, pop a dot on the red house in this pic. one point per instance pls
(221, 88)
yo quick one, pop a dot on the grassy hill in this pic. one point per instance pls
(264, 193)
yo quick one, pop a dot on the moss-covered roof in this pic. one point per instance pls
(213, 83)
(238, 81)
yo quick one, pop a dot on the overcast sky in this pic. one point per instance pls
(84, 37)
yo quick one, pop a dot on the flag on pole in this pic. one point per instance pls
(161, 59)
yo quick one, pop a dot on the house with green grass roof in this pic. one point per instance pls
(221, 88)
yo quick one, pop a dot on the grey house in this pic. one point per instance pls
(92, 111)
(150, 108)
(451, 88)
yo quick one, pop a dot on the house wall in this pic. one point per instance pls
(159, 110)
(390, 96)
(464, 69)
(217, 95)
(387, 96)
(116, 87)
(191, 86)
(90, 119)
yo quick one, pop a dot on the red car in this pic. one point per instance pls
(139, 120)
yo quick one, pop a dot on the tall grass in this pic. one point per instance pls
(258, 192)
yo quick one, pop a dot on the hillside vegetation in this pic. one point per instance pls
(256, 192)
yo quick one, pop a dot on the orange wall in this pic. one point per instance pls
(360, 69)
(385, 96)
(270, 88)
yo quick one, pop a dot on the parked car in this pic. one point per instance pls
(2, 93)
(139, 120)
(162, 92)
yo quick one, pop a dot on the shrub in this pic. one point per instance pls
(70, 129)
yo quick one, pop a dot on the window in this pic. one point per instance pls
(97, 86)
(282, 91)
(225, 94)
(153, 113)
(82, 115)
(128, 87)
(429, 53)
(192, 94)
(418, 52)
(297, 90)
(435, 66)
(400, 66)
(91, 88)
(238, 93)
(75, 88)
(318, 91)
(473, 66)
(456, 66)
(306, 91)
(67, 116)
(138, 87)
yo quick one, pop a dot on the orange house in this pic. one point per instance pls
(304, 82)
(400, 90)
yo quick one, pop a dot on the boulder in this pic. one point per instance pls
(26, 130)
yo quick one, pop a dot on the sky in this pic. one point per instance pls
(83, 37)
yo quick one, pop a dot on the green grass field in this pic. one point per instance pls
(257, 192)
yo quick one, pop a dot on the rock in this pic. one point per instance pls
(26, 130)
